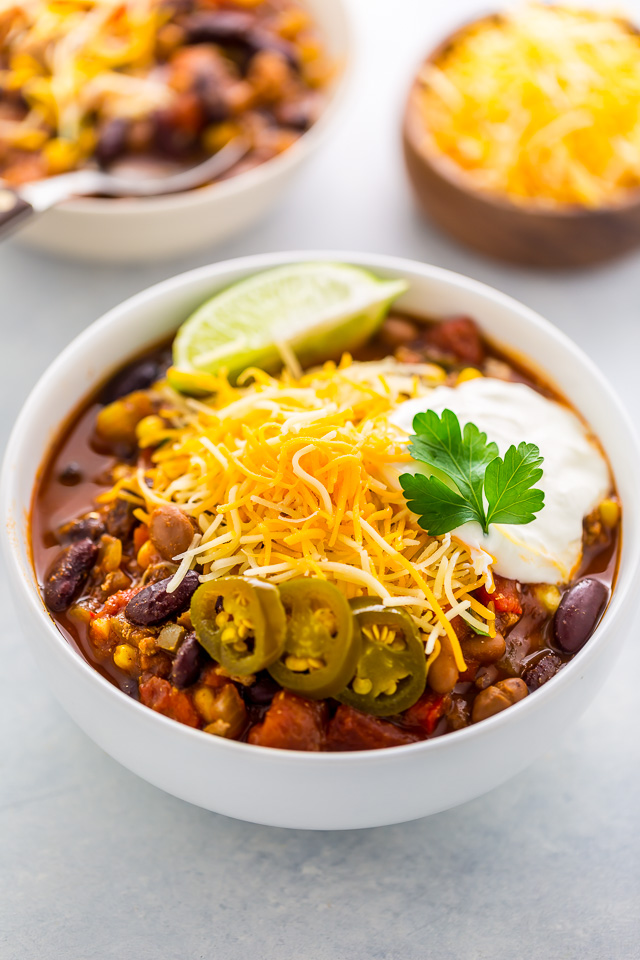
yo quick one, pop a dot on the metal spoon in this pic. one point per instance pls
(17, 207)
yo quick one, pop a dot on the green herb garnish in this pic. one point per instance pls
(470, 481)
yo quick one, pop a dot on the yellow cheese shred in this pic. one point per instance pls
(541, 103)
(297, 476)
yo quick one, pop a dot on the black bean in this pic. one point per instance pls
(136, 376)
(91, 527)
(187, 663)
(262, 691)
(71, 475)
(236, 28)
(112, 141)
(540, 672)
(578, 614)
(68, 574)
(154, 605)
(120, 520)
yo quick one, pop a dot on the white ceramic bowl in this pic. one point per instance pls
(290, 789)
(155, 227)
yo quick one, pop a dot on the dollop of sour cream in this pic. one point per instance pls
(575, 479)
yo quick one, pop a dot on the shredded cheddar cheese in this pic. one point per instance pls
(541, 103)
(298, 476)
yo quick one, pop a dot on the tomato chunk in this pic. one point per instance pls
(161, 696)
(118, 601)
(352, 730)
(291, 723)
(506, 596)
(427, 711)
(458, 336)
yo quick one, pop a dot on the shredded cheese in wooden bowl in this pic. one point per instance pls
(541, 103)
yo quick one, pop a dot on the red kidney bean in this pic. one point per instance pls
(91, 527)
(238, 28)
(68, 574)
(112, 141)
(135, 376)
(153, 605)
(540, 672)
(188, 660)
(578, 614)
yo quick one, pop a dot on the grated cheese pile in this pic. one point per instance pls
(69, 58)
(294, 476)
(541, 103)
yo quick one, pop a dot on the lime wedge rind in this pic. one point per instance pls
(319, 310)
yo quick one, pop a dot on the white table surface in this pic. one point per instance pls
(95, 863)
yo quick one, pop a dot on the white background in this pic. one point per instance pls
(95, 863)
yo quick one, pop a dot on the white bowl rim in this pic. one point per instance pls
(337, 90)
(255, 263)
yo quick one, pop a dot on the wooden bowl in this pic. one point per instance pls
(523, 233)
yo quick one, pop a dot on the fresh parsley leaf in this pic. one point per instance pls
(461, 456)
(440, 508)
(508, 483)
(470, 475)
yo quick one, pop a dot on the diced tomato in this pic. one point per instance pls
(291, 723)
(458, 336)
(161, 696)
(352, 730)
(506, 596)
(118, 601)
(427, 711)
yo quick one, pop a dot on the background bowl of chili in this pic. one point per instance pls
(147, 228)
(299, 789)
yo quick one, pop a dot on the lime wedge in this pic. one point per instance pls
(318, 310)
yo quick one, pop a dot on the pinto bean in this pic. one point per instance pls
(187, 663)
(153, 605)
(498, 697)
(483, 649)
(69, 573)
(398, 331)
(578, 614)
(170, 531)
(443, 673)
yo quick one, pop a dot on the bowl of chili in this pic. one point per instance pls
(345, 772)
(151, 89)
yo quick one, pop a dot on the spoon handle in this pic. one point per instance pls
(14, 211)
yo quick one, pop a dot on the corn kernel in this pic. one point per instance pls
(205, 702)
(609, 513)
(100, 629)
(219, 728)
(111, 553)
(60, 155)
(125, 657)
(549, 596)
(146, 554)
(469, 373)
